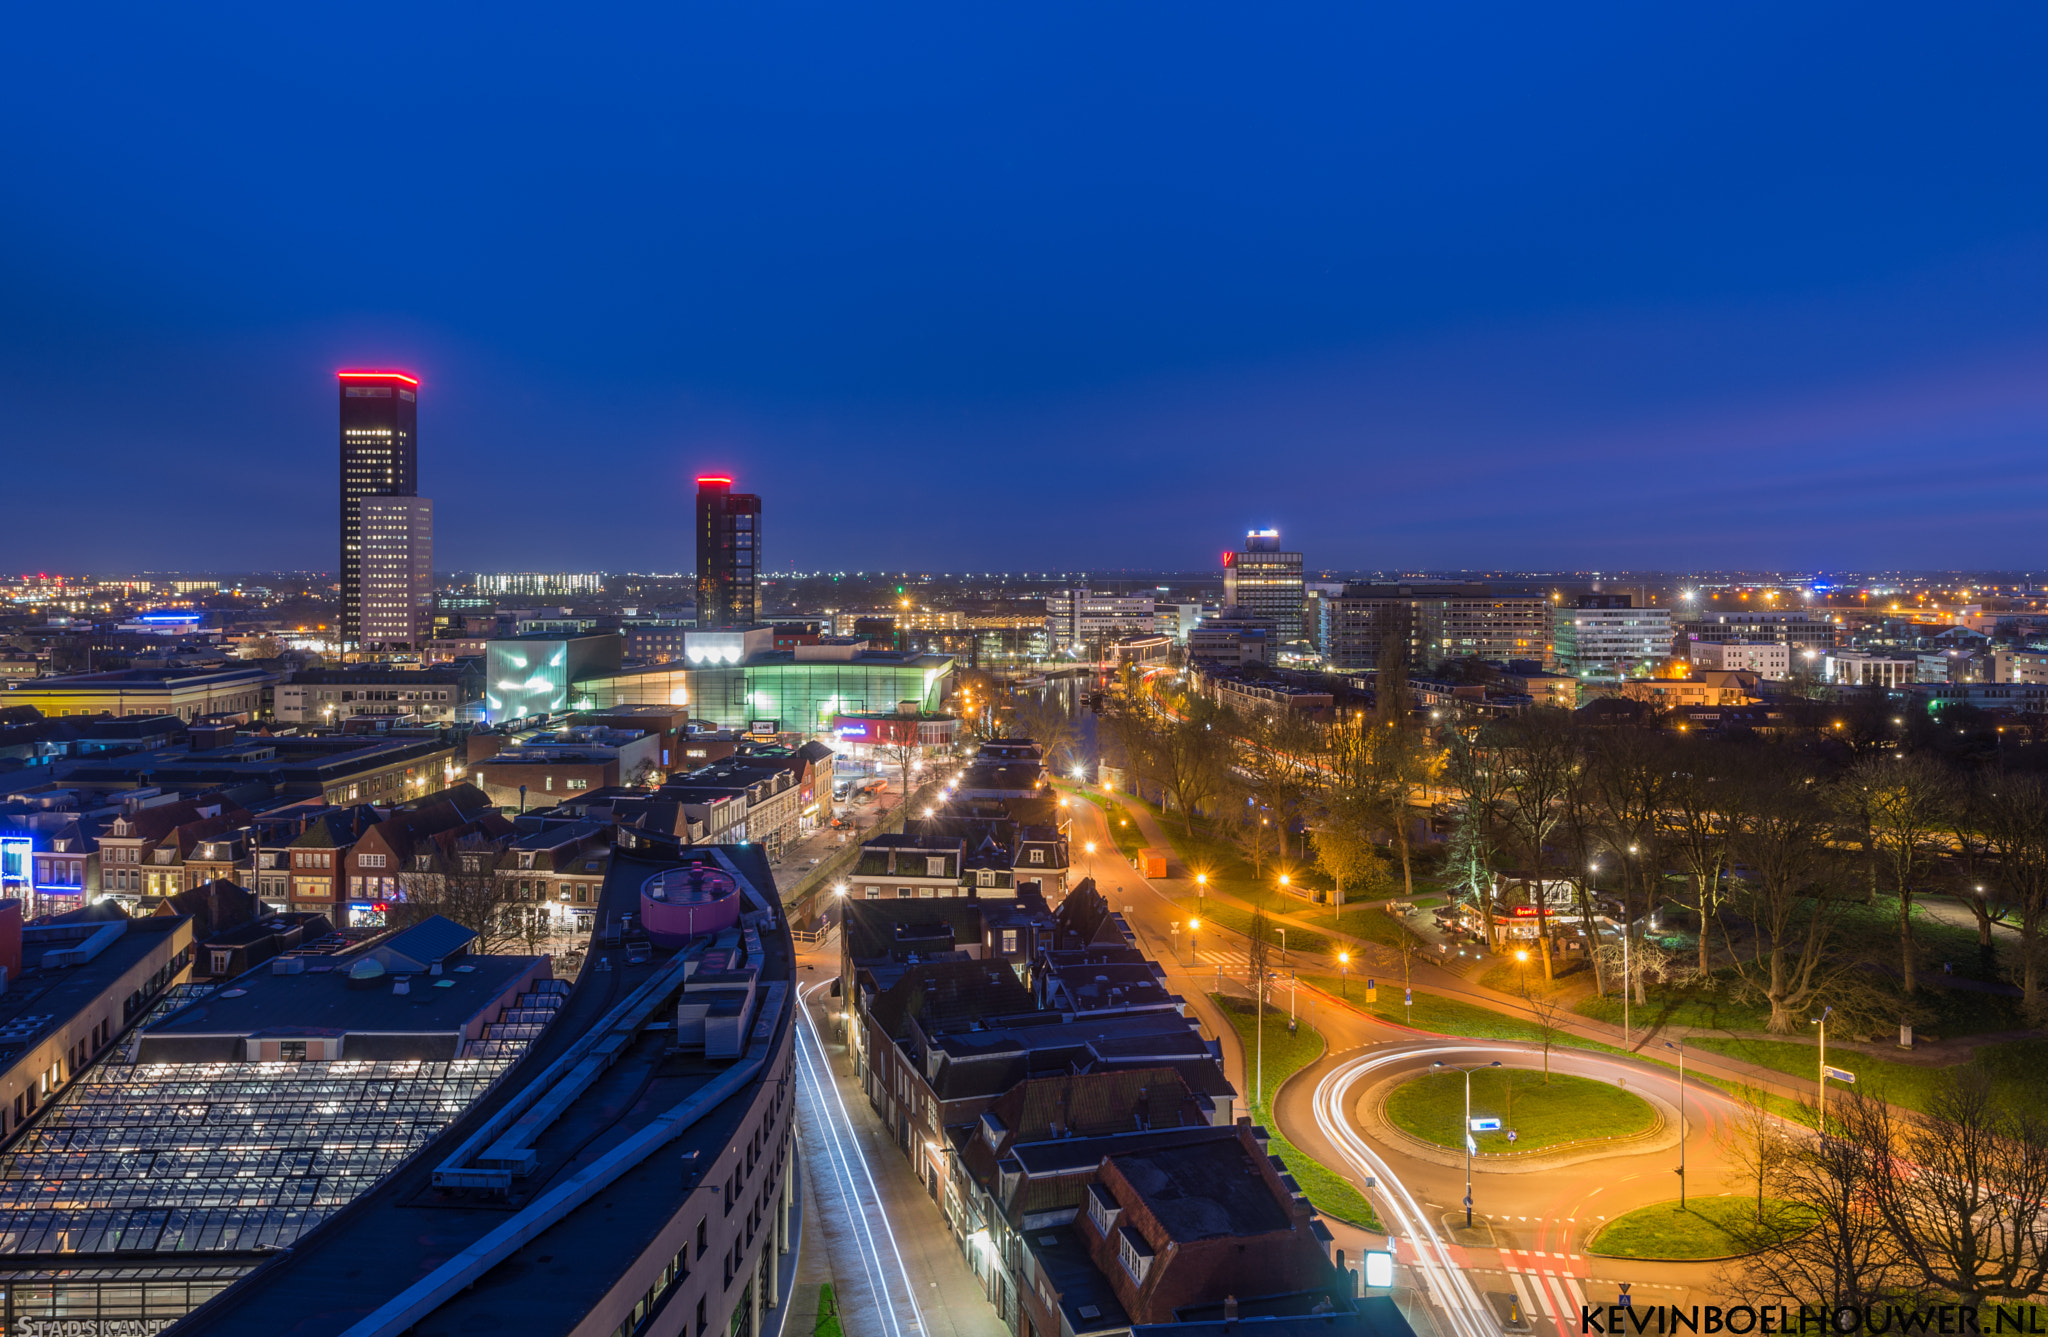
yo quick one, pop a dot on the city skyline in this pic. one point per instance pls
(1723, 299)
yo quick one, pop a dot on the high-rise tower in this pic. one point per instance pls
(379, 458)
(1264, 582)
(728, 554)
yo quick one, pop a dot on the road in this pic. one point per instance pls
(1532, 1226)
(896, 1269)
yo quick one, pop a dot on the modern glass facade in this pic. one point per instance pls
(802, 697)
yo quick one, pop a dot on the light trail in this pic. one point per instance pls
(821, 1092)
(1461, 1305)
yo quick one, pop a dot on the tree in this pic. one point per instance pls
(1538, 755)
(903, 751)
(1905, 799)
(2015, 815)
(1756, 1141)
(1697, 826)
(1046, 718)
(473, 896)
(1190, 757)
(1963, 1191)
(1347, 854)
(1785, 893)
(1631, 774)
(1849, 1258)
(1480, 828)
(1258, 950)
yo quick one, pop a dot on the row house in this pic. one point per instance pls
(377, 865)
(557, 872)
(1091, 1106)
(770, 794)
(1185, 1226)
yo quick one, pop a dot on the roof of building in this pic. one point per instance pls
(1205, 1190)
(569, 1262)
(1088, 1302)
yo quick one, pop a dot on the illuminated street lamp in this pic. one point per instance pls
(1344, 974)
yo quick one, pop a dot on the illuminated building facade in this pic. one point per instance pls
(1265, 582)
(379, 458)
(728, 555)
(526, 676)
(397, 572)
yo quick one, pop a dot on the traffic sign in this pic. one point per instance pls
(1839, 1074)
(1486, 1125)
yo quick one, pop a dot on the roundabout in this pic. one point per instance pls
(1518, 1111)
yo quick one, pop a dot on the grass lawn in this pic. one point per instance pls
(1129, 840)
(2015, 1065)
(1719, 1227)
(1286, 1055)
(1239, 920)
(828, 1314)
(1566, 1109)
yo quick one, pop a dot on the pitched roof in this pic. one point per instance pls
(946, 995)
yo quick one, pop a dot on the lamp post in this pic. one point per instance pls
(1679, 1045)
(1344, 973)
(1194, 952)
(1470, 1146)
(1822, 1021)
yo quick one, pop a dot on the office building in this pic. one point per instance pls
(1766, 659)
(1801, 630)
(500, 583)
(728, 555)
(438, 695)
(379, 458)
(1265, 582)
(397, 572)
(1435, 622)
(1853, 668)
(1083, 623)
(150, 692)
(1607, 636)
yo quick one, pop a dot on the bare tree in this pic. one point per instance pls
(1963, 1191)
(1258, 951)
(1756, 1140)
(2015, 809)
(1785, 893)
(1849, 1257)
(1697, 825)
(1631, 773)
(474, 897)
(1046, 718)
(1905, 799)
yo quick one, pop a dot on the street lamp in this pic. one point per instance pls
(1822, 1022)
(1344, 973)
(1091, 847)
(1679, 1045)
(1470, 1145)
(1193, 951)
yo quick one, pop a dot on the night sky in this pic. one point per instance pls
(1036, 287)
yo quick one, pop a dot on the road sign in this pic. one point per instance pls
(1472, 1147)
(1511, 1137)
(1379, 1268)
(1486, 1125)
(1410, 999)
(1839, 1074)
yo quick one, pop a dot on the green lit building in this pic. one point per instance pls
(800, 691)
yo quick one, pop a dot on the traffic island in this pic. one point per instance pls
(1526, 1112)
(1582, 1119)
(1703, 1230)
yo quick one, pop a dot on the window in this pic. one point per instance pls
(1009, 941)
(935, 865)
(905, 893)
(292, 1051)
(577, 784)
(1134, 1253)
(370, 860)
(1038, 856)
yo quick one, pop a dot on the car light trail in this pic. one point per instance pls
(1462, 1307)
(849, 1169)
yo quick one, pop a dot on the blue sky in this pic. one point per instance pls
(1039, 286)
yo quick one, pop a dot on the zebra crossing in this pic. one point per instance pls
(1551, 1291)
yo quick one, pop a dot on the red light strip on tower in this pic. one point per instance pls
(376, 376)
(707, 478)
